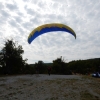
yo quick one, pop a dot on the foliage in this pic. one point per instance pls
(85, 66)
(41, 66)
(11, 62)
(60, 67)
(79, 66)
(11, 58)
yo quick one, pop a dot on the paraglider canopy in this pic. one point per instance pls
(49, 28)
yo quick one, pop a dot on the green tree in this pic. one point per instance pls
(42, 67)
(60, 67)
(11, 58)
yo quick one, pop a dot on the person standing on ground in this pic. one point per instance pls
(37, 69)
(49, 70)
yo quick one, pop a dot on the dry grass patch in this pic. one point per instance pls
(85, 95)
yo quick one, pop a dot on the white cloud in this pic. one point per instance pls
(19, 18)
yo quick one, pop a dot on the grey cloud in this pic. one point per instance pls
(12, 6)
(13, 23)
(1, 34)
(3, 21)
(91, 15)
(1, 6)
(51, 16)
(25, 0)
(5, 16)
(97, 7)
(45, 41)
(4, 13)
(40, 4)
(27, 25)
(53, 40)
(20, 13)
(18, 19)
(36, 12)
(35, 20)
(30, 11)
(21, 30)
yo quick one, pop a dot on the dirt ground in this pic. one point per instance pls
(53, 87)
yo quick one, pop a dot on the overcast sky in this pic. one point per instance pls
(19, 17)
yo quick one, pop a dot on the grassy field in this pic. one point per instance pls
(69, 88)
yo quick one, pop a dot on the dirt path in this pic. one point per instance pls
(54, 87)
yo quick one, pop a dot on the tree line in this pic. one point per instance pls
(12, 62)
